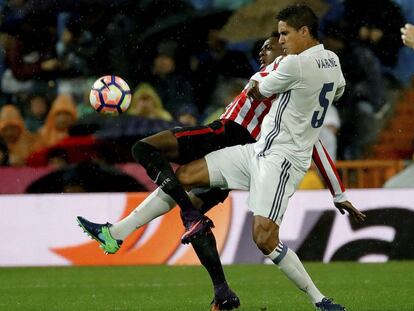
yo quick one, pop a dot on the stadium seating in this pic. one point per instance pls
(368, 173)
(397, 140)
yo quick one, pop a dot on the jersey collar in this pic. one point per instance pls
(313, 49)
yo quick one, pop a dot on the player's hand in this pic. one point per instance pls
(253, 91)
(356, 214)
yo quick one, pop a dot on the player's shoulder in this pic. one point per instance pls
(331, 54)
(290, 59)
(290, 62)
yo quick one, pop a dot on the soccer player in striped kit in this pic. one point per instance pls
(308, 80)
(239, 124)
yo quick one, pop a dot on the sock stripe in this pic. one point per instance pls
(281, 255)
(279, 247)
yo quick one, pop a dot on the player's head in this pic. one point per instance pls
(270, 50)
(298, 28)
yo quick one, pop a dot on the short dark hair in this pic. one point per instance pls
(299, 15)
(275, 34)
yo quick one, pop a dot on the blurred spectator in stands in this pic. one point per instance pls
(376, 24)
(30, 55)
(214, 65)
(84, 107)
(60, 118)
(86, 177)
(4, 153)
(147, 103)
(364, 93)
(187, 115)
(224, 94)
(80, 51)
(58, 158)
(37, 110)
(20, 142)
(174, 89)
(405, 67)
(75, 48)
(407, 35)
(330, 128)
(12, 13)
(404, 70)
(218, 4)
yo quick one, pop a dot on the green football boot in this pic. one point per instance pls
(100, 233)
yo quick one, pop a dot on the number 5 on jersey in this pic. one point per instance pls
(317, 120)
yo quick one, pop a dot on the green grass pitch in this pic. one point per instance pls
(360, 287)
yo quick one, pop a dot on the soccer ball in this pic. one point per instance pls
(110, 95)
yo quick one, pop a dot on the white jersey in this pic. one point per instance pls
(307, 83)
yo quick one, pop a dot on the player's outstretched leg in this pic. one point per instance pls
(100, 232)
(327, 304)
(159, 170)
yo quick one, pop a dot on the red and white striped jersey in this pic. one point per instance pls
(247, 112)
(250, 113)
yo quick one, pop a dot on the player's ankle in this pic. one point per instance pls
(189, 215)
(220, 287)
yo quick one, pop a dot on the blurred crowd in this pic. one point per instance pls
(179, 67)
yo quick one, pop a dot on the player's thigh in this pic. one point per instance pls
(196, 141)
(274, 180)
(230, 167)
(193, 174)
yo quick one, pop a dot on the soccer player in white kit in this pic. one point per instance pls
(308, 80)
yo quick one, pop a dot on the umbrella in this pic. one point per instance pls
(257, 20)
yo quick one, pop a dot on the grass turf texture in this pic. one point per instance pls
(360, 287)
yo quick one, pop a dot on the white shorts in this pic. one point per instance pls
(271, 180)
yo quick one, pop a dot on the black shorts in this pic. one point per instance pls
(194, 142)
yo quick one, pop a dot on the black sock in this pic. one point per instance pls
(206, 249)
(160, 171)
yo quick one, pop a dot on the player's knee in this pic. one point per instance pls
(265, 243)
(140, 150)
(266, 236)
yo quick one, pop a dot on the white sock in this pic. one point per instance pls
(156, 204)
(290, 264)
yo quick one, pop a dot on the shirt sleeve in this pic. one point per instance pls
(255, 77)
(341, 88)
(286, 77)
(329, 172)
